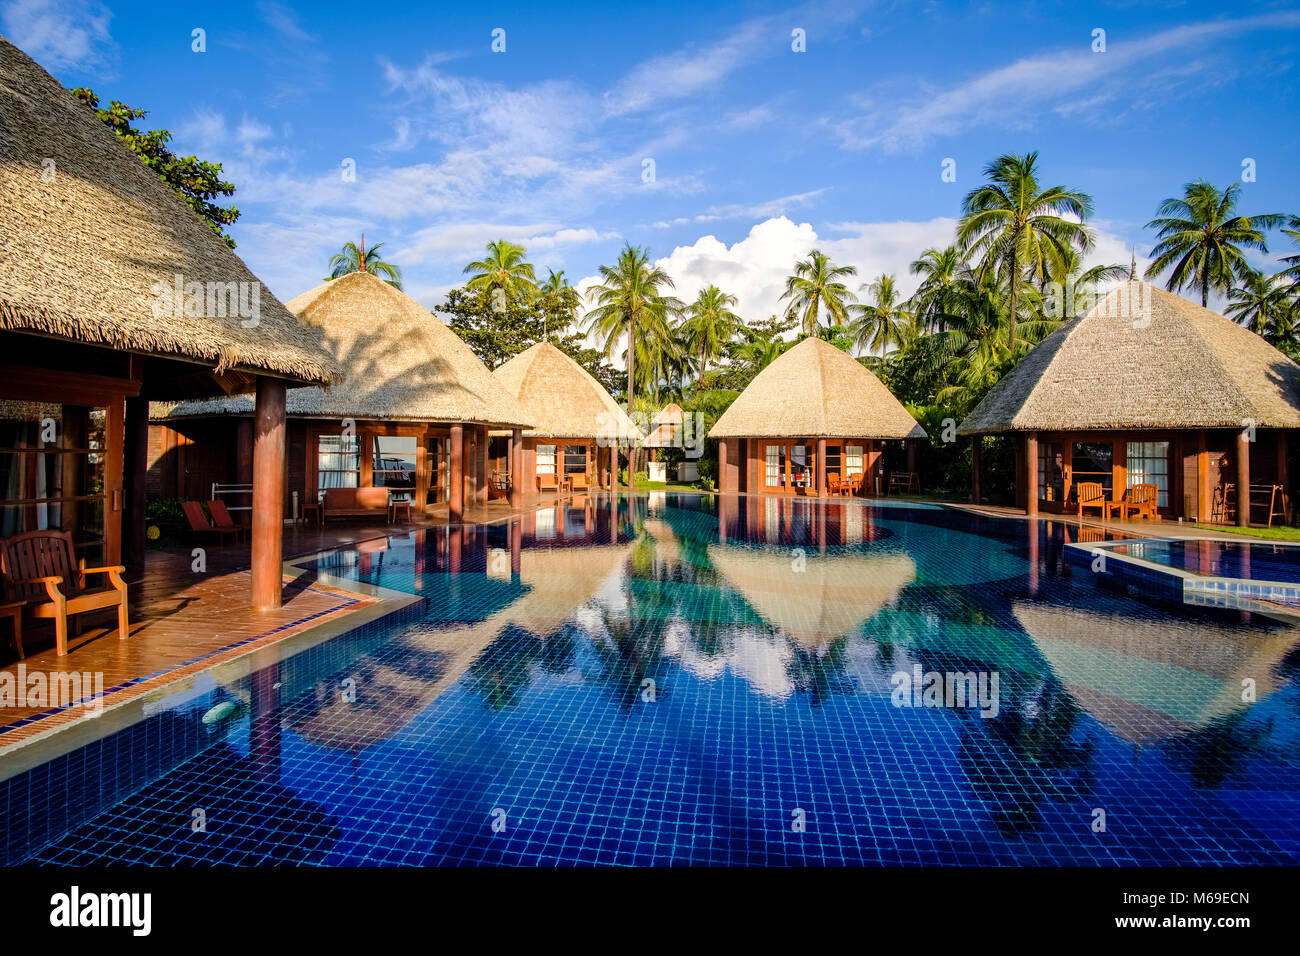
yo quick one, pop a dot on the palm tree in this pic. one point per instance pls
(1077, 286)
(761, 349)
(1201, 239)
(629, 302)
(710, 325)
(1016, 228)
(939, 270)
(505, 267)
(880, 324)
(1292, 270)
(1258, 302)
(816, 283)
(354, 258)
(560, 301)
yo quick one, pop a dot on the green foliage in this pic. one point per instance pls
(196, 181)
(354, 258)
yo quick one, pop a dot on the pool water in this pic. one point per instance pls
(695, 680)
(1253, 561)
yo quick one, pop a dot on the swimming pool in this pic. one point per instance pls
(1250, 561)
(688, 679)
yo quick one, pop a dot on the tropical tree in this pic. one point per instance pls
(505, 267)
(939, 270)
(816, 284)
(1291, 274)
(1070, 289)
(1258, 302)
(880, 323)
(630, 305)
(559, 302)
(709, 326)
(1016, 228)
(354, 258)
(1201, 239)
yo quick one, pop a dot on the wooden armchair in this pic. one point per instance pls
(833, 484)
(855, 484)
(39, 569)
(1142, 502)
(579, 482)
(547, 483)
(1090, 494)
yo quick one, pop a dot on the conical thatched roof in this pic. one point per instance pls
(1144, 358)
(90, 236)
(816, 391)
(665, 428)
(560, 397)
(402, 363)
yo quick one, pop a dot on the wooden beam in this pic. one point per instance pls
(821, 478)
(268, 493)
(456, 483)
(1243, 478)
(724, 483)
(517, 468)
(1031, 477)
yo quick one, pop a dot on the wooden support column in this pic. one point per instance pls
(1031, 477)
(268, 493)
(911, 455)
(723, 484)
(1243, 478)
(137, 467)
(821, 472)
(517, 468)
(1202, 477)
(975, 442)
(1283, 475)
(456, 489)
(631, 467)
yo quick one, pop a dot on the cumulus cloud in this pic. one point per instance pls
(59, 34)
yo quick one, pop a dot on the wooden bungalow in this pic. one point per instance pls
(577, 427)
(114, 293)
(412, 417)
(809, 423)
(1148, 388)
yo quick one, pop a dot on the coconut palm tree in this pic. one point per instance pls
(1076, 286)
(1016, 228)
(880, 324)
(559, 302)
(939, 270)
(815, 284)
(354, 258)
(709, 326)
(505, 267)
(630, 304)
(1257, 302)
(1291, 274)
(762, 348)
(1201, 239)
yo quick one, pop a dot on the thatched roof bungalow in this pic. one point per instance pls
(813, 418)
(576, 425)
(113, 292)
(1148, 388)
(412, 415)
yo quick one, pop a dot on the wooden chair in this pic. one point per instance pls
(1090, 494)
(904, 482)
(833, 484)
(855, 484)
(578, 482)
(39, 569)
(199, 521)
(1141, 502)
(547, 483)
(221, 520)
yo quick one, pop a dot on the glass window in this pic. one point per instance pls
(545, 459)
(800, 465)
(338, 462)
(775, 466)
(1091, 461)
(575, 459)
(439, 474)
(393, 464)
(1148, 464)
(52, 460)
(1051, 471)
(834, 460)
(852, 460)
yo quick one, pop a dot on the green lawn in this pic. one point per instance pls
(1272, 534)
(665, 486)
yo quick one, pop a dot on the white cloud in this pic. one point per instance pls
(59, 34)
(1017, 94)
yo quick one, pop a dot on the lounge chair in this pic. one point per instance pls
(1141, 502)
(1090, 494)
(547, 483)
(221, 520)
(578, 482)
(39, 569)
(199, 521)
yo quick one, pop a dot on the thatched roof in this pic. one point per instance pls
(402, 363)
(561, 398)
(1144, 358)
(816, 391)
(90, 236)
(665, 428)
(1148, 679)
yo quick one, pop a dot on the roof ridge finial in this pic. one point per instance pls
(1133, 265)
(361, 259)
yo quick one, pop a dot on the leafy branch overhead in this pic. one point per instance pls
(195, 180)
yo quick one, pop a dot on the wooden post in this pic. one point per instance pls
(821, 476)
(1031, 476)
(517, 468)
(975, 468)
(268, 493)
(631, 467)
(723, 484)
(1283, 475)
(911, 455)
(456, 489)
(137, 467)
(1202, 478)
(1243, 478)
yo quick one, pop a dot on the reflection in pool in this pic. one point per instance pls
(1254, 561)
(673, 679)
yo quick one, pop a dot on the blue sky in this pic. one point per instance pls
(759, 152)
